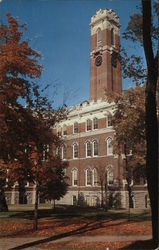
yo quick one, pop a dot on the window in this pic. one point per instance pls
(64, 151)
(59, 131)
(75, 128)
(64, 130)
(95, 123)
(95, 148)
(45, 152)
(110, 176)
(109, 146)
(95, 177)
(88, 177)
(89, 125)
(74, 177)
(109, 120)
(112, 36)
(75, 151)
(88, 149)
(99, 37)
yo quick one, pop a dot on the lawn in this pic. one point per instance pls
(69, 221)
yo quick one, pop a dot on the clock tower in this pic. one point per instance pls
(105, 68)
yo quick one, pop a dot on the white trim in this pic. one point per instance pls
(86, 125)
(86, 184)
(93, 148)
(74, 170)
(88, 156)
(74, 128)
(108, 147)
(94, 123)
(93, 179)
(75, 143)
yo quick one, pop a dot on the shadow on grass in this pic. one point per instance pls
(87, 227)
(70, 211)
(140, 245)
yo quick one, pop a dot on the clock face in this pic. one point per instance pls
(98, 60)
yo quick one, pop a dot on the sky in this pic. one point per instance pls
(60, 31)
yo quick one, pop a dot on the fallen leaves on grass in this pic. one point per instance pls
(84, 226)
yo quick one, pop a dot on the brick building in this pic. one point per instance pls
(95, 173)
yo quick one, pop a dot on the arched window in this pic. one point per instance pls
(64, 152)
(75, 151)
(109, 146)
(95, 148)
(75, 130)
(109, 120)
(88, 149)
(110, 176)
(74, 177)
(95, 177)
(99, 37)
(64, 130)
(112, 36)
(95, 123)
(88, 177)
(89, 125)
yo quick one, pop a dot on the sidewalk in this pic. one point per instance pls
(34, 243)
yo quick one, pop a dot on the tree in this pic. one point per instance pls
(54, 184)
(129, 117)
(18, 63)
(27, 119)
(142, 28)
(151, 117)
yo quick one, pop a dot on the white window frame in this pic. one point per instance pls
(95, 119)
(95, 184)
(86, 175)
(64, 146)
(108, 141)
(95, 141)
(75, 144)
(88, 156)
(74, 128)
(90, 125)
(74, 174)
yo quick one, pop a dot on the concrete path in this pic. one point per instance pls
(33, 243)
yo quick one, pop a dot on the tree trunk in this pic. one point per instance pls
(36, 198)
(151, 120)
(3, 203)
(36, 208)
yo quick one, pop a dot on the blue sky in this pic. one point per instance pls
(60, 31)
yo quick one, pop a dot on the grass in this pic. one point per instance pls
(46, 210)
(67, 221)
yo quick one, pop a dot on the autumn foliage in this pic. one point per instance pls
(27, 143)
